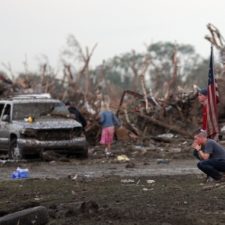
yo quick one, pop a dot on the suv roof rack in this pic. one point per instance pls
(33, 96)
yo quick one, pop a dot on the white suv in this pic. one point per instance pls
(31, 124)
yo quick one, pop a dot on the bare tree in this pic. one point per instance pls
(216, 37)
(171, 85)
(139, 70)
(75, 55)
(8, 67)
(217, 40)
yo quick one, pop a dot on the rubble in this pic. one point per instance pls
(161, 120)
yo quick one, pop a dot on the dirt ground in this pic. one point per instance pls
(144, 190)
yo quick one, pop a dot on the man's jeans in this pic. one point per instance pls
(212, 167)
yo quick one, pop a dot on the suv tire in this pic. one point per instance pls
(84, 153)
(81, 154)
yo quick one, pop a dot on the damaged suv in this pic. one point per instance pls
(31, 124)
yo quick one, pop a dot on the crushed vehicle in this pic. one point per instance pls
(31, 124)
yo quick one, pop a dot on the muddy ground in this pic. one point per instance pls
(144, 190)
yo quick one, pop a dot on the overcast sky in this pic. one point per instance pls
(30, 28)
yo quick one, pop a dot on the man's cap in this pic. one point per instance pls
(203, 91)
(200, 132)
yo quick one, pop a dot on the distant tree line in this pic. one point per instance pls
(190, 67)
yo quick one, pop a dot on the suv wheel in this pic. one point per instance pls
(84, 153)
(14, 151)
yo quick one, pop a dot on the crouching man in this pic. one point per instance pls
(211, 155)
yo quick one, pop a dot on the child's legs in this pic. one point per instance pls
(107, 137)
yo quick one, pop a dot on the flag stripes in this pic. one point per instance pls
(213, 99)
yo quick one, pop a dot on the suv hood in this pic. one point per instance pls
(48, 123)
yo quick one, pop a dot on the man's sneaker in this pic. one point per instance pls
(221, 180)
(209, 180)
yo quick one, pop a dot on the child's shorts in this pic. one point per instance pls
(107, 135)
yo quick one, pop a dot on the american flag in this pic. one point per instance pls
(213, 99)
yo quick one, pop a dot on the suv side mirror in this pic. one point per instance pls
(5, 118)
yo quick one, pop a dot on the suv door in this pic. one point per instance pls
(4, 127)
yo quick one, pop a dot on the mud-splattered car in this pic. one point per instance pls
(31, 124)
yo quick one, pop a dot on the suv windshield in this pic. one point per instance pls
(37, 109)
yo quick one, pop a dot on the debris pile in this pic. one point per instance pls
(179, 114)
